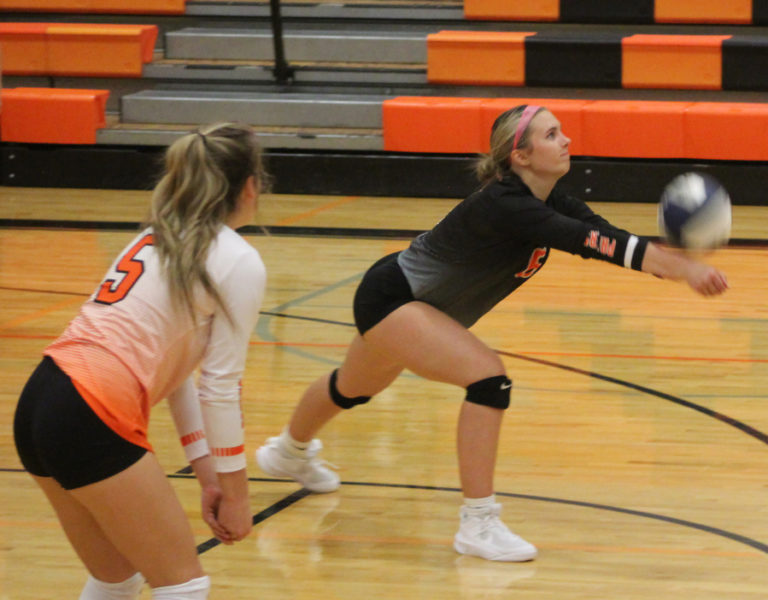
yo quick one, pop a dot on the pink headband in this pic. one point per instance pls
(525, 119)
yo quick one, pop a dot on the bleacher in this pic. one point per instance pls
(402, 91)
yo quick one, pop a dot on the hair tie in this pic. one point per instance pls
(202, 136)
(525, 120)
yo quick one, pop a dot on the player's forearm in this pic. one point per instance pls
(234, 484)
(204, 471)
(666, 264)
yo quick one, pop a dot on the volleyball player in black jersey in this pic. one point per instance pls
(413, 310)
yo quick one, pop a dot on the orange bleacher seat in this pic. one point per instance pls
(567, 111)
(73, 49)
(97, 6)
(100, 50)
(634, 129)
(726, 131)
(517, 10)
(52, 115)
(477, 57)
(598, 128)
(24, 48)
(427, 124)
(672, 61)
(703, 11)
(462, 125)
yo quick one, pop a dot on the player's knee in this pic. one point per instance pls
(194, 589)
(340, 399)
(491, 391)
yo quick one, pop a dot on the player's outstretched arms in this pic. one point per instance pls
(677, 266)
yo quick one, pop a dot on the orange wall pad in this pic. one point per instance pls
(672, 61)
(726, 131)
(52, 115)
(513, 10)
(97, 6)
(634, 129)
(703, 11)
(427, 124)
(23, 47)
(568, 112)
(476, 57)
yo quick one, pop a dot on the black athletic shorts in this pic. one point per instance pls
(383, 289)
(58, 435)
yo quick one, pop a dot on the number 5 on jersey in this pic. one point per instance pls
(112, 290)
(534, 263)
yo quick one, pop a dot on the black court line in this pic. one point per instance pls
(750, 431)
(760, 436)
(626, 511)
(743, 427)
(300, 318)
(351, 232)
(303, 492)
(259, 517)
(294, 497)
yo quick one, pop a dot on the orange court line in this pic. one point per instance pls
(411, 541)
(635, 550)
(647, 357)
(319, 209)
(13, 524)
(300, 344)
(22, 336)
(40, 313)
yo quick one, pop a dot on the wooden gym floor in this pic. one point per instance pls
(634, 454)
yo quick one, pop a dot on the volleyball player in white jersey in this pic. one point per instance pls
(185, 292)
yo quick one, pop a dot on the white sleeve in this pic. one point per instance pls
(185, 410)
(219, 385)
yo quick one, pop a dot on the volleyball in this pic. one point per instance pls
(695, 212)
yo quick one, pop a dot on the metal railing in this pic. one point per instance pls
(282, 71)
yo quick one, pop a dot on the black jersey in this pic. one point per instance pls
(498, 238)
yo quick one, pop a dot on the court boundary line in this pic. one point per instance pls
(288, 230)
(303, 492)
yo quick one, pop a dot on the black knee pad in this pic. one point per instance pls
(492, 391)
(339, 399)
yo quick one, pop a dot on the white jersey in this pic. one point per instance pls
(129, 347)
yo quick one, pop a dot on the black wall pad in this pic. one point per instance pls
(568, 60)
(760, 12)
(369, 174)
(607, 11)
(39, 165)
(745, 63)
(613, 180)
(418, 175)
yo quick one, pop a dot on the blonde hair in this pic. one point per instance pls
(205, 172)
(495, 164)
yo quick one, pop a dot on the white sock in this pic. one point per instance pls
(194, 589)
(291, 446)
(122, 590)
(479, 504)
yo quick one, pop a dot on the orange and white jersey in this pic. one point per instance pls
(130, 346)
